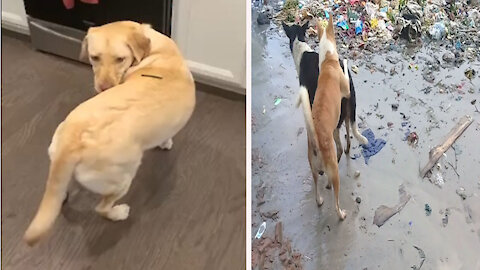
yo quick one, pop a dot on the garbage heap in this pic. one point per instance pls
(382, 25)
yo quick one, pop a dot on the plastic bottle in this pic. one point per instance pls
(261, 230)
(358, 27)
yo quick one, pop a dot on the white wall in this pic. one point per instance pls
(210, 33)
(13, 16)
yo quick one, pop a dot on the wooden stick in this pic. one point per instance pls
(438, 150)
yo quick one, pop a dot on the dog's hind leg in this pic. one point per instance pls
(338, 143)
(115, 189)
(347, 130)
(345, 81)
(352, 115)
(107, 209)
(167, 145)
(312, 160)
(361, 139)
(333, 177)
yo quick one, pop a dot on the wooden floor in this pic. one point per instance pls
(187, 204)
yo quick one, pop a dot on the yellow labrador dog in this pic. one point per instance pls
(150, 97)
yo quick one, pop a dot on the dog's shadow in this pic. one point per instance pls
(150, 188)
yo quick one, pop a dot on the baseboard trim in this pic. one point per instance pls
(217, 77)
(14, 23)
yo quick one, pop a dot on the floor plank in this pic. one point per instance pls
(187, 204)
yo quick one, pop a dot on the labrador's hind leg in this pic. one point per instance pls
(167, 145)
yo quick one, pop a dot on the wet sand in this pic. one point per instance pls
(281, 171)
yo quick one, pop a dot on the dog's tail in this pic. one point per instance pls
(304, 101)
(60, 174)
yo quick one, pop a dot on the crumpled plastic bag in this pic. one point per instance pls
(409, 22)
(371, 9)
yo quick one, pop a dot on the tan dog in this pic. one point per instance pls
(101, 142)
(333, 85)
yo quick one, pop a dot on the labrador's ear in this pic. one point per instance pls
(84, 50)
(139, 44)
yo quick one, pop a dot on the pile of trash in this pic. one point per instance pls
(380, 24)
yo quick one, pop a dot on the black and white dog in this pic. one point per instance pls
(307, 65)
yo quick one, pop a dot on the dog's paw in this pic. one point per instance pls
(362, 139)
(167, 145)
(319, 200)
(342, 214)
(328, 186)
(119, 212)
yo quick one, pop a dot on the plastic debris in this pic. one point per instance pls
(438, 31)
(445, 217)
(462, 193)
(470, 73)
(277, 101)
(261, 230)
(263, 18)
(355, 69)
(437, 179)
(410, 21)
(412, 138)
(374, 145)
(448, 57)
(384, 213)
(358, 200)
(458, 45)
(422, 258)
(356, 174)
(358, 27)
(343, 25)
(428, 210)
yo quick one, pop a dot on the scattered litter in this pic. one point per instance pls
(389, 124)
(412, 138)
(263, 18)
(445, 217)
(358, 27)
(260, 195)
(272, 252)
(279, 232)
(261, 230)
(373, 147)
(452, 136)
(428, 210)
(355, 69)
(395, 107)
(270, 214)
(264, 110)
(277, 101)
(437, 179)
(470, 73)
(300, 131)
(383, 213)
(422, 258)
(438, 31)
(410, 21)
(448, 57)
(356, 174)
(358, 200)
(462, 193)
